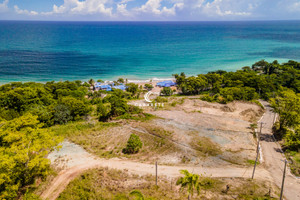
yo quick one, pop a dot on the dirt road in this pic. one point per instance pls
(271, 169)
(273, 157)
(65, 176)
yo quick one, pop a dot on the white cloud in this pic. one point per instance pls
(24, 12)
(167, 10)
(3, 6)
(225, 8)
(154, 7)
(125, 1)
(122, 10)
(87, 7)
(293, 6)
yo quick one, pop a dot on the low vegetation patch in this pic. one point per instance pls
(108, 184)
(206, 146)
(294, 157)
(134, 144)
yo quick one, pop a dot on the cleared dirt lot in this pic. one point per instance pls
(187, 132)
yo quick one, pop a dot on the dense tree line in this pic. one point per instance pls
(262, 80)
(277, 83)
(27, 109)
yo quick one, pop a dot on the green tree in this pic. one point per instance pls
(148, 86)
(61, 114)
(132, 88)
(191, 85)
(77, 108)
(120, 80)
(214, 81)
(292, 139)
(92, 83)
(134, 144)
(167, 91)
(287, 105)
(104, 111)
(190, 182)
(23, 149)
(119, 105)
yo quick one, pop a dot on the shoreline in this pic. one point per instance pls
(137, 81)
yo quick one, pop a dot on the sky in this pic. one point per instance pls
(149, 10)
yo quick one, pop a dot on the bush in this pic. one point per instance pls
(103, 110)
(167, 91)
(134, 144)
(148, 86)
(132, 88)
(61, 114)
(161, 99)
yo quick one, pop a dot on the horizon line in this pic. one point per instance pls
(262, 20)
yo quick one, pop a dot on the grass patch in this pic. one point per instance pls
(206, 146)
(80, 127)
(258, 103)
(157, 131)
(109, 184)
(294, 157)
(252, 162)
(107, 140)
(251, 190)
(137, 117)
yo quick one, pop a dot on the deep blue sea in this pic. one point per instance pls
(45, 51)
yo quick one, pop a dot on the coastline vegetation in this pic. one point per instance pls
(30, 111)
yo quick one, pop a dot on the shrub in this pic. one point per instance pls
(148, 86)
(61, 114)
(167, 91)
(160, 99)
(132, 88)
(134, 144)
(103, 110)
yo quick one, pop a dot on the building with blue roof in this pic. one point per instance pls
(120, 87)
(167, 83)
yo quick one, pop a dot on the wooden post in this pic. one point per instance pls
(283, 178)
(156, 173)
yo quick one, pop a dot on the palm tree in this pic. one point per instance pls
(190, 182)
(92, 83)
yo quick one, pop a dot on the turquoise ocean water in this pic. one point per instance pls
(45, 51)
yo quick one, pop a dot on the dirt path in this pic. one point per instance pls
(65, 176)
(273, 157)
(271, 169)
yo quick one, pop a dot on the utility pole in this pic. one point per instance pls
(156, 173)
(257, 153)
(283, 178)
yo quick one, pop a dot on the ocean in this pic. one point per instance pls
(46, 51)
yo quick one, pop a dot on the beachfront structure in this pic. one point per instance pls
(120, 87)
(109, 87)
(168, 83)
(103, 87)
